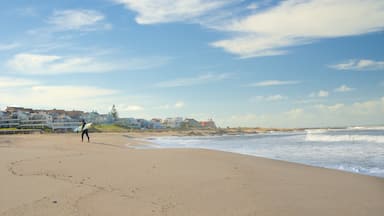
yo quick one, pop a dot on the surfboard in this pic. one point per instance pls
(87, 126)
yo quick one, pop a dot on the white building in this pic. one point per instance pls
(173, 122)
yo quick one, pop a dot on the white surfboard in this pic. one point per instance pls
(87, 126)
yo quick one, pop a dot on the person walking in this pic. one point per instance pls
(84, 130)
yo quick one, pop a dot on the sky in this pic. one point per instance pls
(262, 63)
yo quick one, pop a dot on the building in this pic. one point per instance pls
(18, 109)
(208, 124)
(156, 123)
(191, 123)
(173, 122)
(128, 123)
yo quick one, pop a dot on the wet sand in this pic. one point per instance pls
(56, 174)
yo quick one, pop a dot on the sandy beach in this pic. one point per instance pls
(57, 174)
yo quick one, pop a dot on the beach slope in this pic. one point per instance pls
(59, 175)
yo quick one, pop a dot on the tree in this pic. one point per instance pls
(114, 113)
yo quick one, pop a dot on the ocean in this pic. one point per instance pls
(358, 149)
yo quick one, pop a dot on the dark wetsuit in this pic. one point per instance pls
(84, 131)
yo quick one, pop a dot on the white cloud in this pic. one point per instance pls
(190, 81)
(77, 20)
(343, 88)
(297, 22)
(294, 113)
(72, 92)
(28, 63)
(8, 82)
(134, 108)
(274, 83)
(10, 46)
(163, 11)
(252, 6)
(369, 112)
(359, 65)
(53, 64)
(332, 108)
(179, 104)
(321, 93)
(277, 97)
(27, 11)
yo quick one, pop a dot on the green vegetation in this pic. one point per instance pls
(8, 129)
(114, 113)
(109, 128)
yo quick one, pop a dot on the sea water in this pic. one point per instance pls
(358, 149)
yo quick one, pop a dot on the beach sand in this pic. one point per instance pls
(56, 174)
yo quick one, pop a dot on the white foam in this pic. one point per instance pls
(366, 128)
(349, 150)
(343, 138)
(310, 131)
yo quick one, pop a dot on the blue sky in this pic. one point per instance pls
(293, 63)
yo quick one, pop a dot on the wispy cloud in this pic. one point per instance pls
(133, 108)
(52, 64)
(274, 83)
(71, 91)
(318, 115)
(253, 6)
(271, 30)
(163, 11)
(27, 11)
(10, 46)
(359, 65)
(28, 63)
(177, 105)
(344, 88)
(277, 97)
(332, 108)
(321, 93)
(9, 82)
(78, 20)
(295, 22)
(190, 81)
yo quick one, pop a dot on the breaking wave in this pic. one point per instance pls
(343, 138)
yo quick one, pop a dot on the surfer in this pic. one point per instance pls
(84, 130)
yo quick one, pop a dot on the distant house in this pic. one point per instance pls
(22, 115)
(102, 118)
(89, 117)
(41, 116)
(144, 123)
(208, 124)
(18, 109)
(128, 123)
(75, 114)
(62, 118)
(156, 123)
(2, 114)
(191, 123)
(173, 122)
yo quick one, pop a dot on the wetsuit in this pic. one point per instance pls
(84, 131)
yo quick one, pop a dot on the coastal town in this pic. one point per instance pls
(59, 120)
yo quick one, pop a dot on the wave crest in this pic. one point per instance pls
(343, 138)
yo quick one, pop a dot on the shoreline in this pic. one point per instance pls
(58, 175)
(146, 142)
